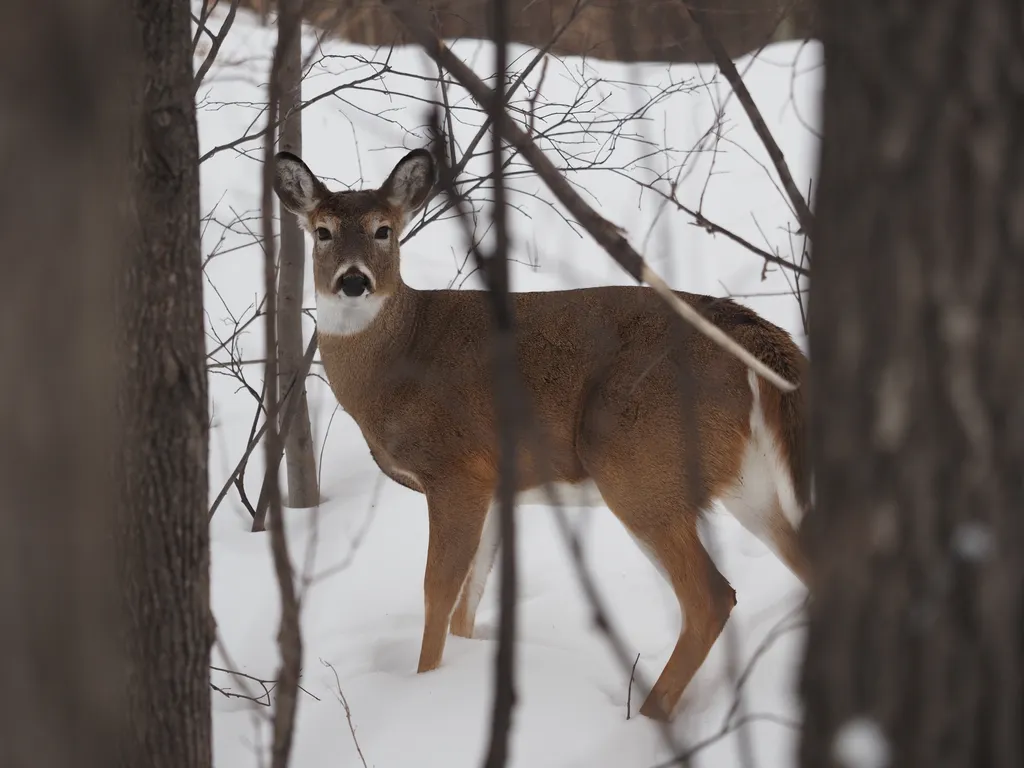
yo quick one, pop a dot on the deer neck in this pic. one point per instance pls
(361, 344)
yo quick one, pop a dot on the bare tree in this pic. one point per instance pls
(915, 646)
(60, 139)
(162, 534)
(303, 490)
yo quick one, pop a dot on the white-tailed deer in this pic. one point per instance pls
(602, 368)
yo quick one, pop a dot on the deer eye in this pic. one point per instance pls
(323, 233)
(383, 233)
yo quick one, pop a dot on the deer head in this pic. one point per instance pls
(355, 235)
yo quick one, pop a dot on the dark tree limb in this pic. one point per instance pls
(215, 44)
(508, 394)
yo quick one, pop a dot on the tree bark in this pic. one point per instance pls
(303, 488)
(163, 535)
(917, 349)
(61, 138)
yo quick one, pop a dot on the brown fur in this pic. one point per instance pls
(602, 370)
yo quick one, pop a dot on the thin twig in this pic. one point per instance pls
(713, 228)
(268, 687)
(734, 725)
(348, 711)
(629, 691)
(276, 122)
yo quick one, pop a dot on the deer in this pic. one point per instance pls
(602, 370)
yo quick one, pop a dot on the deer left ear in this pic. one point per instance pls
(298, 187)
(411, 181)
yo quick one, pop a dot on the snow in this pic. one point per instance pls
(973, 541)
(361, 554)
(860, 743)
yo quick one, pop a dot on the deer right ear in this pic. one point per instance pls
(410, 182)
(299, 189)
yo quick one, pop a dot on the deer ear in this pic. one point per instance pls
(299, 189)
(409, 184)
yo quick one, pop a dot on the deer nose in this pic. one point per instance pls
(353, 283)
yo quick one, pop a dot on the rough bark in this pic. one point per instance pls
(162, 534)
(917, 343)
(60, 134)
(303, 488)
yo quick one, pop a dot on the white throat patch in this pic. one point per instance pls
(346, 315)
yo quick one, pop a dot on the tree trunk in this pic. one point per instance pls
(303, 489)
(917, 349)
(163, 534)
(61, 133)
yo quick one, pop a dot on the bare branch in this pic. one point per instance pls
(712, 228)
(348, 711)
(215, 45)
(728, 69)
(609, 236)
(263, 699)
(289, 411)
(275, 122)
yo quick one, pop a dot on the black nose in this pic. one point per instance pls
(354, 283)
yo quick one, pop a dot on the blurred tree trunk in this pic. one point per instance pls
(162, 534)
(917, 341)
(61, 136)
(303, 490)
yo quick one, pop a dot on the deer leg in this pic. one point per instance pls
(785, 541)
(706, 599)
(456, 522)
(757, 507)
(659, 515)
(464, 618)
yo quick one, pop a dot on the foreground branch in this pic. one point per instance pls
(507, 395)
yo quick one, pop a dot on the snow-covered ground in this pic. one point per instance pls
(362, 552)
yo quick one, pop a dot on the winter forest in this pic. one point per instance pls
(527, 383)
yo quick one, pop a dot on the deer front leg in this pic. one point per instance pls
(456, 522)
(464, 618)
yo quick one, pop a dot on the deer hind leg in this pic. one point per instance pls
(464, 617)
(705, 599)
(762, 497)
(456, 522)
(754, 501)
(660, 517)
